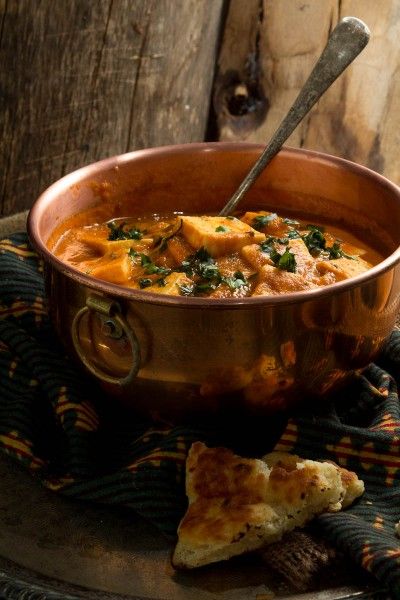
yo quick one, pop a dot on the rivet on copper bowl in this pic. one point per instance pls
(196, 355)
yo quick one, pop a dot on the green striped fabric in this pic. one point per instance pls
(60, 427)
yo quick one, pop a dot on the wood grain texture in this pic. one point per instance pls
(80, 81)
(358, 118)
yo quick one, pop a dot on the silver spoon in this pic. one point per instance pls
(346, 41)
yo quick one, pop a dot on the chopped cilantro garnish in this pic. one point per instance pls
(314, 240)
(145, 260)
(132, 253)
(293, 234)
(270, 241)
(335, 251)
(261, 221)
(222, 228)
(204, 269)
(151, 268)
(317, 227)
(202, 255)
(238, 280)
(268, 245)
(291, 222)
(199, 263)
(186, 290)
(208, 271)
(117, 232)
(145, 283)
(201, 288)
(285, 261)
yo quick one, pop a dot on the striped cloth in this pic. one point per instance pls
(361, 432)
(60, 427)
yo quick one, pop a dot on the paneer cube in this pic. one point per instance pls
(115, 269)
(304, 260)
(219, 235)
(255, 256)
(267, 222)
(103, 245)
(343, 268)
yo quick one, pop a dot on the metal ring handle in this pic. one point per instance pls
(106, 307)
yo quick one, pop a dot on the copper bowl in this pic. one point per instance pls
(172, 356)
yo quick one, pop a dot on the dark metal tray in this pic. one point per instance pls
(53, 547)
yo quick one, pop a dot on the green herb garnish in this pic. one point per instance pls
(285, 261)
(293, 234)
(145, 283)
(117, 232)
(315, 240)
(238, 280)
(205, 270)
(151, 268)
(186, 290)
(198, 263)
(335, 251)
(291, 222)
(261, 221)
(268, 246)
(317, 227)
(222, 228)
(201, 288)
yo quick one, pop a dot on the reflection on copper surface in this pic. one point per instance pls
(263, 353)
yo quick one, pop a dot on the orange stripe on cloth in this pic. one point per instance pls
(156, 458)
(83, 407)
(19, 250)
(288, 438)
(14, 445)
(19, 308)
(83, 410)
(81, 414)
(344, 450)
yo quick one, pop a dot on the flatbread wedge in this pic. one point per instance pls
(238, 505)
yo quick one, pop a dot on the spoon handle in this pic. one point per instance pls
(346, 41)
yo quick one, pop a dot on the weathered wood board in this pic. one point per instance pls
(269, 48)
(80, 81)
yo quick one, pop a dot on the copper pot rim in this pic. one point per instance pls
(116, 290)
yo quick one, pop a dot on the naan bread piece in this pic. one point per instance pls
(237, 505)
(352, 486)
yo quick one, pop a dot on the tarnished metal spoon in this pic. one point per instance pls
(346, 41)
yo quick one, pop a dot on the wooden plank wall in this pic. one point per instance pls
(268, 50)
(82, 80)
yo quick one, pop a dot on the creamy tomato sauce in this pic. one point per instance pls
(253, 254)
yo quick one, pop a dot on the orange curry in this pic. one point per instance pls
(257, 253)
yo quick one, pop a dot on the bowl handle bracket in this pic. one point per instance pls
(114, 325)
